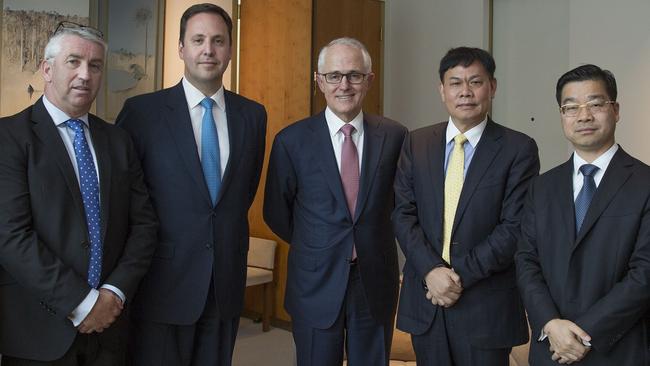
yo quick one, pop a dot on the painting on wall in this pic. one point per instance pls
(133, 67)
(26, 27)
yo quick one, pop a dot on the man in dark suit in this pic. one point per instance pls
(77, 230)
(584, 259)
(329, 195)
(202, 149)
(459, 190)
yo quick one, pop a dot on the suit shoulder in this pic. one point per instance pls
(148, 98)
(512, 134)
(242, 100)
(299, 127)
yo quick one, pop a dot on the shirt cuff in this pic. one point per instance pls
(543, 336)
(82, 310)
(115, 290)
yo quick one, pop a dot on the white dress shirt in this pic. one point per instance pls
(334, 124)
(67, 135)
(602, 162)
(194, 98)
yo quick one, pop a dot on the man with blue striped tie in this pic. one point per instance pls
(584, 260)
(77, 230)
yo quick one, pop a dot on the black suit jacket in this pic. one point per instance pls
(44, 250)
(196, 240)
(305, 205)
(598, 278)
(484, 235)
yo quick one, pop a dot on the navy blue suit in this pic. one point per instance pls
(198, 244)
(489, 313)
(598, 278)
(305, 206)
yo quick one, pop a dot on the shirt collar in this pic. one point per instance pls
(334, 123)
(602, 162)
(59, 116)
(194, 96)
(473, 134)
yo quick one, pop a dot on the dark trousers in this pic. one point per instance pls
(366, 341)
(445, 344)
(208, 342)
(86, 350)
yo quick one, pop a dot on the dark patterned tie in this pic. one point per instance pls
(586, 193)
(90, 195)
(350, 171)
(210, 155)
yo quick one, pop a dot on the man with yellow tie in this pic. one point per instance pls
(459, 190)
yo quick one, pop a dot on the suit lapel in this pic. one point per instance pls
(486, 150)
(324, 152)
(236, 135)
(564, 189)
(436, 162)
(180, 128)
(372, 147)
(47, 132)
(102, 152)
(618, 172)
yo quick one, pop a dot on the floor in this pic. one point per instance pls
(254, 347)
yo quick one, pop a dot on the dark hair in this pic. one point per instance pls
(587, 72)
(466, 56)
(205, 8)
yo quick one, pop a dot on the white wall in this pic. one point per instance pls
(418, 33)
(534, 43)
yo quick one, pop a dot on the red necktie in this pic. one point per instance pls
(350, 172)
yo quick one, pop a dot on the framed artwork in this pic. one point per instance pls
(132, 29)
(134, 32)
(26, 27)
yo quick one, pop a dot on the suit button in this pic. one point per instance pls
(85, 245)
(454, 243)
(213, 214)
(208, 246)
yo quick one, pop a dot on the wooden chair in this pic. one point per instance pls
(261, 259)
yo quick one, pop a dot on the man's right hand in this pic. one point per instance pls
(105, 311)
(566, 341)
(444, 286)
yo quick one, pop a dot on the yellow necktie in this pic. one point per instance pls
(453, 187)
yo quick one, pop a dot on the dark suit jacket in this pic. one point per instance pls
(599, 278)
(44, 250)
(484, 236)
(305, 206)
(196, 240)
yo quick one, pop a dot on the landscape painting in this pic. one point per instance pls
(26, 27)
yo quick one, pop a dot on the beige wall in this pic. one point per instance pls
(172, 64)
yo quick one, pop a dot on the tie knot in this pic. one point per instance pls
(460, 139)
(75, 124)
(588, 170)
(347, 130)
(207, 103)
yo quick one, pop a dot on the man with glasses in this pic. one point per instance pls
(202, 149)
(77, 230)
(459, 190)
(584, 259)
(329, 195)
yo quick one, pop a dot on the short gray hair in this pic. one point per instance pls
(346, 41)
(53, 46)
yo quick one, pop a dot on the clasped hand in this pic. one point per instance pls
(105, 311)
(566, 341)
(443, 286)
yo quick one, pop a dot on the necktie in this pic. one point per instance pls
(210, 156)
(586, 193)
(350, 171)
(90, 196)
(453, 187)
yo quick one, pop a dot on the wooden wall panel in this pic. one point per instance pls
(360, 19)
(274, 69)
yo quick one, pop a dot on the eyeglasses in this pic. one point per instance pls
(72, 25)
(337, 77)
(594, 106)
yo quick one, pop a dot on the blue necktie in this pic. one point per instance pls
(210, 156)
(586, 193)
(90, 195)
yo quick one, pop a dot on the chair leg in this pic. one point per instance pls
(268, 305)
